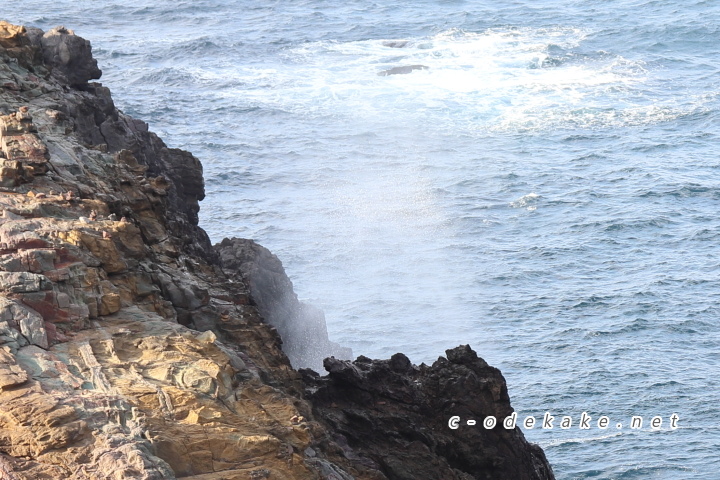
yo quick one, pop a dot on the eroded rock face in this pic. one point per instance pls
(24, 155)
(128, 349)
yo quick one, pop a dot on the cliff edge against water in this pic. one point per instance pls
(131, 348)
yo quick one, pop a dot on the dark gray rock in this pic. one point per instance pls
(392, 417)
(69, 56)
(35, 35)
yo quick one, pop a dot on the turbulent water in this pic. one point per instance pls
(546, 191)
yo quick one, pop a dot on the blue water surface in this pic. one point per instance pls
(546, 191)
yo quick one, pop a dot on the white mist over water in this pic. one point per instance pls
(378, 233)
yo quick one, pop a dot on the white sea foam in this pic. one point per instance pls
(528, 201)
(565, 441)
(507, 79)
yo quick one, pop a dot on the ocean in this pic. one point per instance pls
(546, 190)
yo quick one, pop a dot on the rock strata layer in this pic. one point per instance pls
(131, 348)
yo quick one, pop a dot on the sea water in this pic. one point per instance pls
(547, 190)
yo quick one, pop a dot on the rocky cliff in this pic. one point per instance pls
(131, 348)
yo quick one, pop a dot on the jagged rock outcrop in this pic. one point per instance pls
(128, 350)
(395, 416)
(301, 326)
(69, 56)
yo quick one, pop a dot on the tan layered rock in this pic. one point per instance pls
(11, 35)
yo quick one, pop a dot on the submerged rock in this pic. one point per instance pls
(404, 70)
(396, 43)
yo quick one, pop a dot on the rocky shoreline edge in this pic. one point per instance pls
(132, 348)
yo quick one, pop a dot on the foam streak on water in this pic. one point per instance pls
(547, 190)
